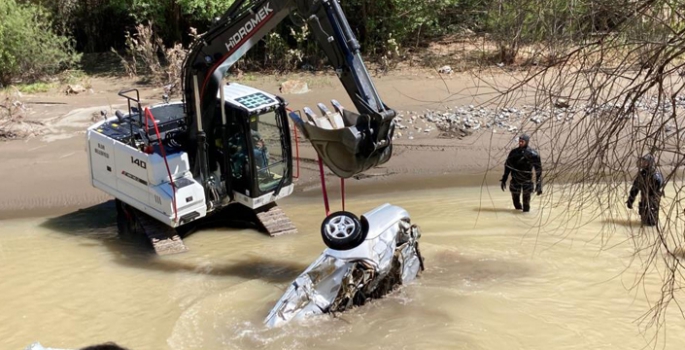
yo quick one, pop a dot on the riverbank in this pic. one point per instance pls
(48, 173)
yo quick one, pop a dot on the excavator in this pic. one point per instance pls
(227, 146)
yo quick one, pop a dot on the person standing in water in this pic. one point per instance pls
(649, 183)
(520, 164)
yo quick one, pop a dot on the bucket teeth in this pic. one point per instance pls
(310, 114)
(337, 106)
(324, 110)
(334, 119)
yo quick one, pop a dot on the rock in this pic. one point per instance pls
(561, 103)
(294, 87)
(75, 89)
(445, 70)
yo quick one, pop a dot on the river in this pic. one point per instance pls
(495, 279)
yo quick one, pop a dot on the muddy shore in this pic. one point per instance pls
(48, 174)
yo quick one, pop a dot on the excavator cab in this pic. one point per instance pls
(253, 147)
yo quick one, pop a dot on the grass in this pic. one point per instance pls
(34, 88)
(66, 77)
(247, 77)
(76, 76)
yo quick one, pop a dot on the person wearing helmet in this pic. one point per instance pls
(520, 164)
(649, 183)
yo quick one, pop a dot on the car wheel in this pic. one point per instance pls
(342, 231)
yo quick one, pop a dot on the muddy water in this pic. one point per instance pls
(491, 282)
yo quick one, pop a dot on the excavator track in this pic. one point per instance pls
(275, 221)
(164, 238)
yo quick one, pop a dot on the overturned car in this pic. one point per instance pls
(366, 258)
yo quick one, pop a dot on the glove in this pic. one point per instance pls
(629, 205)
(503, 184)
(538, 189)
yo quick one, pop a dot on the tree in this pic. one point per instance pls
(29, 48)
(625, 89)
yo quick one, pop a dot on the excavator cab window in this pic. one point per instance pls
(258, 157)
(236, 158)
(270, 147)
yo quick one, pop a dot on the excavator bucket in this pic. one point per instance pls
(348, 149)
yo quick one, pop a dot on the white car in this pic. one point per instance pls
(366, 258)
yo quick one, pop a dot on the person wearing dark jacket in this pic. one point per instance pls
(649, 183)
(520, 164)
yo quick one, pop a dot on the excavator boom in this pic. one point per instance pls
(346, 152)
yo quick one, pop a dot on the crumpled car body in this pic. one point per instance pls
(389, 256)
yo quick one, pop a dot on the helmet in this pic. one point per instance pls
(256, 136)
(646, 161)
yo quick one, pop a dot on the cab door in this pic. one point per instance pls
(271, 151)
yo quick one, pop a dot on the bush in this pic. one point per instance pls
(160, 64)
(29, 48)
(410, 22)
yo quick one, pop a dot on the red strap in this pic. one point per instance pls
(148, 114)
(323, 187)
(297, 146)
(325, 192)
(342, 191)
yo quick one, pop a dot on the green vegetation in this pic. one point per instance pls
(35, 87)
(29, 46)
(39, 38)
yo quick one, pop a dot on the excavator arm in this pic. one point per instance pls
(366, 139)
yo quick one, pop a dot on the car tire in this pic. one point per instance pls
(342, 230)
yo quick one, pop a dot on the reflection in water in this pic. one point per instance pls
(497, 210)
(490, 284)
(623, 222)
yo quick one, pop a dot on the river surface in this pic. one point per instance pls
(495, 279)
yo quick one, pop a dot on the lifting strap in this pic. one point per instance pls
(325, 192)
(148, 115)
